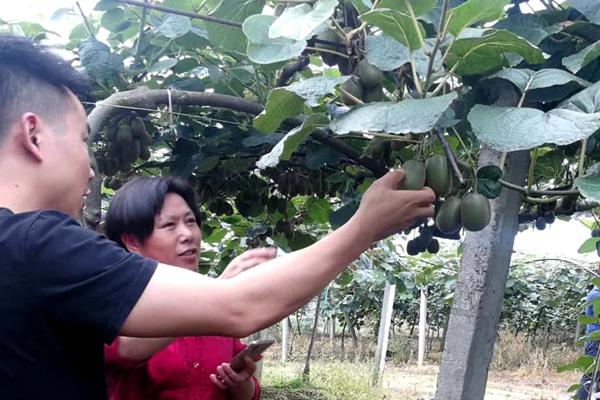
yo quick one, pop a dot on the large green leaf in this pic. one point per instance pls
(512, 128)
(588, 246)
(528, 26)
(290, 142)
(406, 116)
(281, 104)
(583, 363)
(417, 7)
(586, 101)
(526, 79)
(589, 8)
(229, 37)
(475, 12)
(113, 19)
(299, 22)
(589, 185)
(580, 59)
(174, 26)
(483, 51)
(488, 181)
(397, 25)
(362, 5)
(263, 50)
(312, 89)
(388, 54)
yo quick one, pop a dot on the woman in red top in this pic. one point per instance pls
(158, 218)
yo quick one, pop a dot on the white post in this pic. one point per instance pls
(284, 339)
(384, 331)
(422, 328)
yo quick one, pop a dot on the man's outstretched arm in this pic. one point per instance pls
(179, 303)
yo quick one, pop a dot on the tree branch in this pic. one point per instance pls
(512, 186)
(450, 155)
(180, 12)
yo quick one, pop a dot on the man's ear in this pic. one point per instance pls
(132, 243)
(30, 136)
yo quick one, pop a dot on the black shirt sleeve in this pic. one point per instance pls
(81, 279)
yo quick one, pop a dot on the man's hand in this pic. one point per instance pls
(226, 378)
(385, 211)
(247, 260)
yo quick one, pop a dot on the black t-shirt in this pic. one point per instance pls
(64, 292)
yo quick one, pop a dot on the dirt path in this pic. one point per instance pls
(411, 383)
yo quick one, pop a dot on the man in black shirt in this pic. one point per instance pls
(64, 291)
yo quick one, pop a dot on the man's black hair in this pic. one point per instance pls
(134, 206)
(33, 79)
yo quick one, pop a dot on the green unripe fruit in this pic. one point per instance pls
(373, 94)
(353, 87)
(124, 135)
(139, 131)
(439, 175)
(330, 36)
(475, 212)
(369, 75)
(448, 218)
(412, 248)
(414, 175)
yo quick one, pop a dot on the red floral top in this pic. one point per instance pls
(180, 371)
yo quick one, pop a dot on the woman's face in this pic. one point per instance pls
(176, 236)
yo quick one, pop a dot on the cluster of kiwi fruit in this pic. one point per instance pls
(423, 242)
(453, 212)
(542, 217)
(366, 86)
(126, 140)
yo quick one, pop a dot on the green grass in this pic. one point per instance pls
(328, 381)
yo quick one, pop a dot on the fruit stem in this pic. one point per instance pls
(531, 173)
(442, 29)
(355, 99)
(414, 73)
(450, 154)
(323, 50)
(582, 157)
(521, 189)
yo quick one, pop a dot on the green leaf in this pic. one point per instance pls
(526, 79)
(321, 156)
(112, 19)
(229, 37)
(582, 364)
(410, 115)
(575, 62)
(98, 61)
(340, 216)
(263, 50)
(174, 26)
(281, 104)
(512, 128)
(208, 164)
(585, 320)
(588, 246)
(574, 387)
(483, 52)
(388, 54)
(528, 26)
(345, 278)
(300, 240)
(397, 25)
(475, 12)
(589, 185)
(105, 5)
(589, 8)
(418, 7)
(362, 5)
(488, 178)
(299, 22)
(312, 89)
(290, 142)
(319, 209)
(596, 282)
(161, 66)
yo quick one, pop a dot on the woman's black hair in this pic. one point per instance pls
(134, 206)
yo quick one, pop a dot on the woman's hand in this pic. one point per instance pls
(226, 378)
(247, 260)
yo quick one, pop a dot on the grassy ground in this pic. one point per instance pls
(520, 371)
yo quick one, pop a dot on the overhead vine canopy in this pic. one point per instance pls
(282, 113)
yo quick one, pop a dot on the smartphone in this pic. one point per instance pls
(252, 350)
